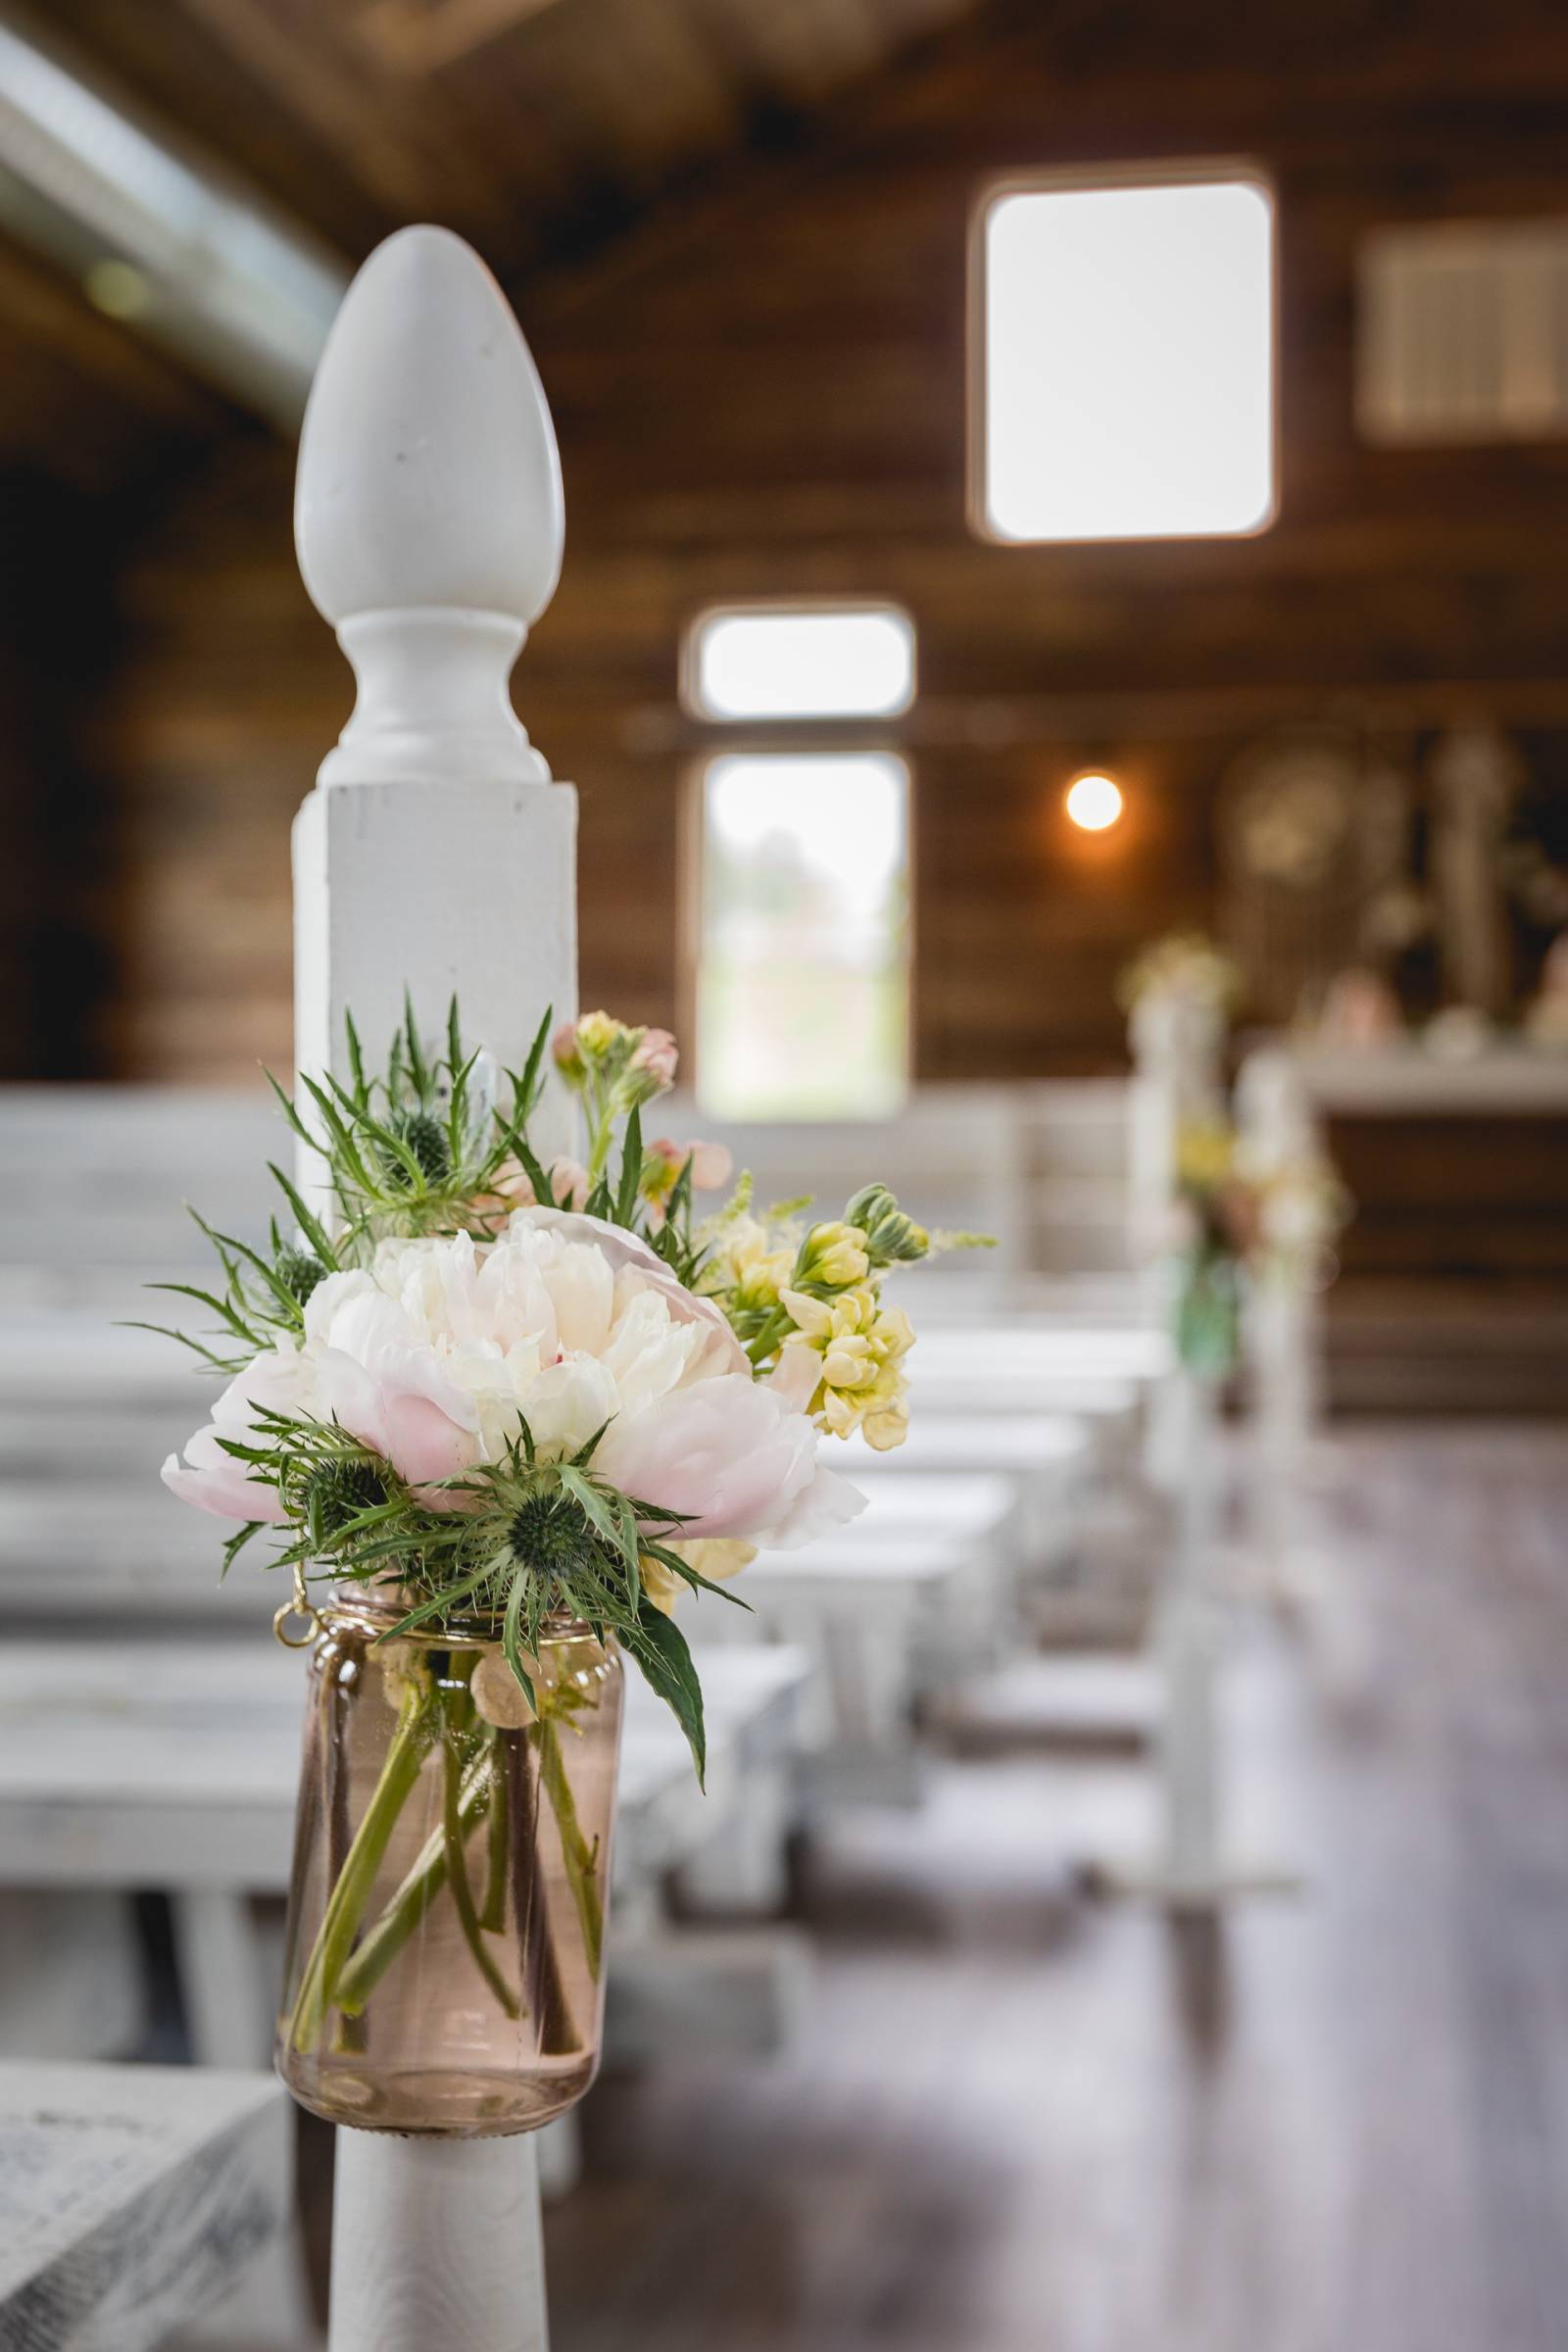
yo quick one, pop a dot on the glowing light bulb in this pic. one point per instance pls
(1093, 803)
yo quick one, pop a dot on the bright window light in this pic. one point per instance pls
(802, 991)
(1129, 361)
(802, 662)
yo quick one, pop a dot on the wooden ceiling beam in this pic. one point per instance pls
(420, 37)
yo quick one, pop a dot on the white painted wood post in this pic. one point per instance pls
(1283, 1326)
(434, 853)
(1186, 1635)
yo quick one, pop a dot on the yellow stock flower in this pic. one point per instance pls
(597, 1032)
(747, 1263)
(860, 1346)
(835, 1254)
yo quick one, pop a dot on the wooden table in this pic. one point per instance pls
(132, 2198)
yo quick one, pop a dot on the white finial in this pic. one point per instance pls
(428, 514)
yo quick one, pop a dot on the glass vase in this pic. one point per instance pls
(445, 1950)
(1208, 1313)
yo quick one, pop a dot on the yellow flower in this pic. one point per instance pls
(859, 1345)
(750, 1265)
(717, 1557)
(597, 1032)
(1205, 1154)
(663, 1587)
(835, 1254)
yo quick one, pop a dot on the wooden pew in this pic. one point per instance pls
(174, 1765)
(133, 2199)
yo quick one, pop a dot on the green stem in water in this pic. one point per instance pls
(346, 1905)
(579, 1856)
(498, 1838)
(458, 1873)
(411, 1902)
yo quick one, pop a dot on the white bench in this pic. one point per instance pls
(132, 2199)
(174, 1765)
(879, 1606)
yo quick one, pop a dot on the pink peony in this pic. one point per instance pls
(733, 1460)
(212, 1480)
(434, 1354)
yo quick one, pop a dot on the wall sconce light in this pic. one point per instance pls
(1093, 803)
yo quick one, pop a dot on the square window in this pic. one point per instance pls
(802, 982)
(1127, 360)
(756, 662)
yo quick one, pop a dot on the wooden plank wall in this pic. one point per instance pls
(763, 391)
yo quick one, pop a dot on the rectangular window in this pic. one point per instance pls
(1126, 358)
(802, 953)
(800, 661)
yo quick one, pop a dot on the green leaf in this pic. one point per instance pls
(590, 1447)
(510, 1636)
(362, 1093)
(229, 1364)
(528, 1088)
(658, 1647)
(419, 1070)
(310, 1225)
(446, 1600)
(692, 1576)
(535, 1174)
(291, 1114)
(631, 1170)
(237, 1542)
(593, 1507)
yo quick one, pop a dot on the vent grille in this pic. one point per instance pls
(1463, 332)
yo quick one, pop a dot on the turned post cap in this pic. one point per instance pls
(428, 514)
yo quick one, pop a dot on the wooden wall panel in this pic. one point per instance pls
(763, 392)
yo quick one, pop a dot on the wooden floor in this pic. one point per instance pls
(1023, 2124)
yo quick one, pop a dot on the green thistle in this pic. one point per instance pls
(300, 1273)
(335, 1493)
(549, 1535)
(418, 1132)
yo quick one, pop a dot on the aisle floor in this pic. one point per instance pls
(1021, 2122)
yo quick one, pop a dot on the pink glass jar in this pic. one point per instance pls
(451, 1883)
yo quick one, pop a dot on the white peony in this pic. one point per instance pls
(435, 1353)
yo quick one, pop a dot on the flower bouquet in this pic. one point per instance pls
(1186, 966)
(498, 1416)
(1236, 1225)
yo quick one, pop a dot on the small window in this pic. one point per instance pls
(1126, 359)
(800, 661)
(802, 953)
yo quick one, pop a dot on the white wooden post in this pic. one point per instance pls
(1190, 1873)
(434, 853)
(1284, 1320)
(1187, 1634)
